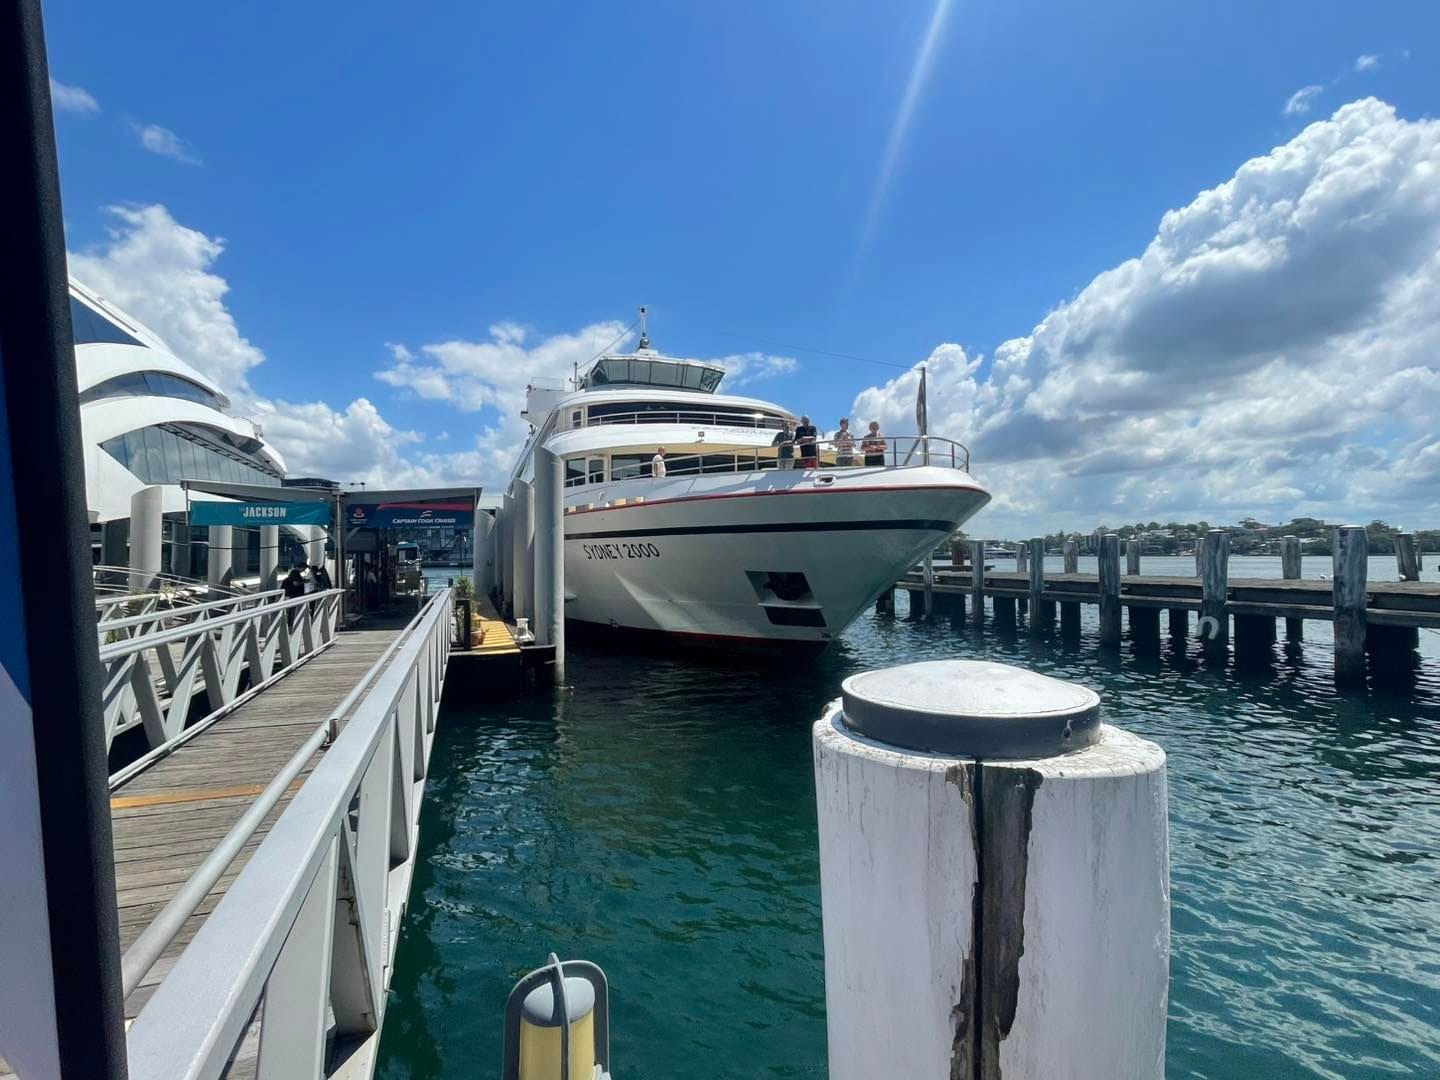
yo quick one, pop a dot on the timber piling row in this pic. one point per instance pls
(1376, 624)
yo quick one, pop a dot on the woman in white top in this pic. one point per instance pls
(657, 463)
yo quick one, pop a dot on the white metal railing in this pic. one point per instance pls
(112, 586)
(120, 622)
(304, 939)
(150, 679)
(898, 451)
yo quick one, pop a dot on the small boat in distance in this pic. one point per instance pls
(726, 546)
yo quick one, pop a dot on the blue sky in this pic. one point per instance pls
(418, 176)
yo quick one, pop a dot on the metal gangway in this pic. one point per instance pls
(287, 975)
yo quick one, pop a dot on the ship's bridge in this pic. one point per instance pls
(645, 367)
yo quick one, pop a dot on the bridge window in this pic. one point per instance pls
(90, 327)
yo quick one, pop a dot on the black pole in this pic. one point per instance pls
(47, 607)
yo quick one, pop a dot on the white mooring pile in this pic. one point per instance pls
(994, 879)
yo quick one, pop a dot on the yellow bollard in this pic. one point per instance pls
(551, 1009)
(540, 1032)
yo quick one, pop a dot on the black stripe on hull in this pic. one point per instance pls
(891, 525)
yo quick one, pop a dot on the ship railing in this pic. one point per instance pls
(898, 452)
(689, 416)
(303, 942)
(149, 680)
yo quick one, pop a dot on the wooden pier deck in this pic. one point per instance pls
(167, 819)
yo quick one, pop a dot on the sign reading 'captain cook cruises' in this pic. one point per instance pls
(280, 513)
(458, 514)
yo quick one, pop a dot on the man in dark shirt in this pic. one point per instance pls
(294, 584)
(807, 437)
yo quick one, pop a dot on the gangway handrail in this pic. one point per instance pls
(267, 641)
(147, 948)
(185, 611)
(111, 650)
(320, 901)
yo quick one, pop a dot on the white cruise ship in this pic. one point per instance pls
(729, 548)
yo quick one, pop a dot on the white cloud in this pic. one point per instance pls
(1274, 350)
(744, 368)
(1367, 62)
(161, 272)
(72, 99)
(163, 141)
(1300, 101)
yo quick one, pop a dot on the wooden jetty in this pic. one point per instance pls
(1378, 619)
(167, 819)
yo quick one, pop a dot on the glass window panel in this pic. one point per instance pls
(89, 326)
(173, 469)
(117, 449)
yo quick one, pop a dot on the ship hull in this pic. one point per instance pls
(775, 561)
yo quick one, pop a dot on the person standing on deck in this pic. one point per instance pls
(785, 440)
(844, 444)
(657, 463)
(874, 445)
(807, 437)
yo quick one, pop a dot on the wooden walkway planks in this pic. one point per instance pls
(167, 819)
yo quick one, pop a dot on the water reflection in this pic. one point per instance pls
(657, 816)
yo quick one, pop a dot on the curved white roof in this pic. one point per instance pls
(109, 484)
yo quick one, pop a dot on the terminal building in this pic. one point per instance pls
(149, 418)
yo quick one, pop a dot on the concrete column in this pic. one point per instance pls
(994, 879)
(523, 559)
(314, 547)
(506, 550)
(269, 556)
(219, 558)
(482, 561)
(549, 587)
(147, 523)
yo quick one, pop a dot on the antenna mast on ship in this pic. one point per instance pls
(644, 333)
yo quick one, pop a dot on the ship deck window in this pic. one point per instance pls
(680, 412)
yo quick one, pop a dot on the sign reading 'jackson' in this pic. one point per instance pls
(242, 513)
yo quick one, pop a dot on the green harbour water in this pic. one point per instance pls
(657, 816)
